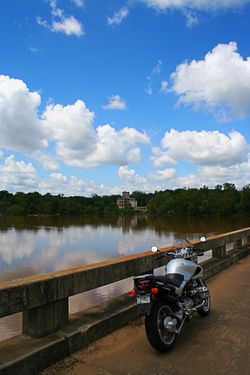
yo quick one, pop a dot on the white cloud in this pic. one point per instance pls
(153, 78)
(164, 86)
(69, 26)
(78, 3)
(79, 144)
(209, 5)
(60, 23)
(57, 183)
(161, 158)
(191, 18)
(47, 161)
(115, 147)
(42, 22)
(71, 126)
(17, 175)
(238, 174)
(20, 127)
(204, 147)
(115, 102)
(164, 175)
(219, 83)
(132, 181)
(118, 16)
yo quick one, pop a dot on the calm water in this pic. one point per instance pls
(36, 245)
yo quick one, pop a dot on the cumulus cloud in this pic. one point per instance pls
(60, 23)
(17, 175)
(132, 181)
(208, 5)
(118, 16)
(238, 174)
(219, 83)
(115, 102)
(71, 127)
(80, 145)
(20, 127)
(57, 183)
(160, 157)
(164, 175)
(45, 160)
(115, 147)
(204, 147)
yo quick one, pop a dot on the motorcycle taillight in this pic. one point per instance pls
(142, 285)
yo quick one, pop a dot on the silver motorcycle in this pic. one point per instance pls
(169, 301)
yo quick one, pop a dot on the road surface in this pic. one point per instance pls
(215, 345)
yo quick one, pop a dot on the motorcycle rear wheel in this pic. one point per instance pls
(160, 338)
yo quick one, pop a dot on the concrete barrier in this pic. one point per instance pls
(50, 334)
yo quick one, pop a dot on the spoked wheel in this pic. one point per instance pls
(205, 309)
(159, 337)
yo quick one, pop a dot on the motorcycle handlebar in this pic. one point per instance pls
(184, 252)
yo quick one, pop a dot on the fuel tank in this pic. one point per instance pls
(185, 267)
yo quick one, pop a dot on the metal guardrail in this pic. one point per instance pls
(43, 299)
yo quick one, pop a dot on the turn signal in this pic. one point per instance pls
(154, 290)
(132, 292)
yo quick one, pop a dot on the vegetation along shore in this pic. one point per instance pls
(221, 200)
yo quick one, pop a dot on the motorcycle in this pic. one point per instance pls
(168, 301)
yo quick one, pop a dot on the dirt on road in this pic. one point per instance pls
(215, 345)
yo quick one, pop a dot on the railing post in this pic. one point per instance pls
(46, 319)
(247, 240)
(238, 244)
(219, 252)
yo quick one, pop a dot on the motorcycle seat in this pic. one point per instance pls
(174, 279)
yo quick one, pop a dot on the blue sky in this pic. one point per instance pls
(105, 96)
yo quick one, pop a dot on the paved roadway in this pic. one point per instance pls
(216, 345)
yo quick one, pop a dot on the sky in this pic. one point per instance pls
(100, 97)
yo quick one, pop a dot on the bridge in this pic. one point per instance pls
(50, 334)
(215, 345)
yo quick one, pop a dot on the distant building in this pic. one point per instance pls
(126, 200)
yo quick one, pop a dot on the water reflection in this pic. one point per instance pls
(34, 245)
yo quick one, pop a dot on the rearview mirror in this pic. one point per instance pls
(154, 249)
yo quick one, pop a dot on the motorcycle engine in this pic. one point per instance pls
(187, 304)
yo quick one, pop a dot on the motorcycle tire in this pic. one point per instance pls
(205, 309)
(160, 339)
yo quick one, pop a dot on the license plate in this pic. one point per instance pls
(143, 298)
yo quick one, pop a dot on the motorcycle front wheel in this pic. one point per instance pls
(205, 309)
(158, 336)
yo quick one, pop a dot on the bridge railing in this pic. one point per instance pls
(44, 299)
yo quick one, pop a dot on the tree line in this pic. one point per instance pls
(221, 200)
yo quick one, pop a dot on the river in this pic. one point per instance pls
(34, 245)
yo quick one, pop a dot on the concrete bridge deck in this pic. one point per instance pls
(216, 345)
